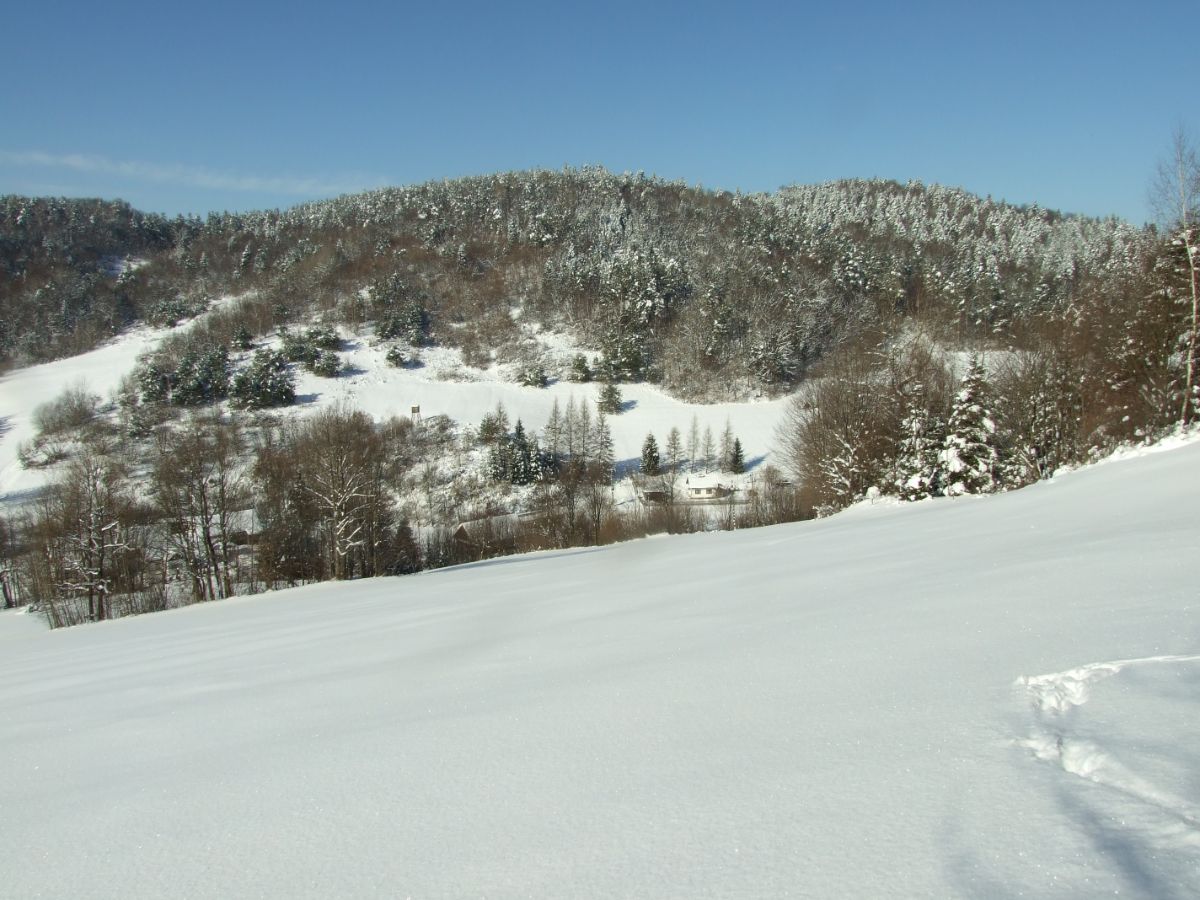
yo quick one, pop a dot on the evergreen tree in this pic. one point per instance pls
(569, 440)
(580, 371)
(523, 457)
(650, 458)
(493, 428)
(610, 399)
(500, 461)
(325, 363)
(201, 377)
(154, 382)
(533, 375)
(737, 458)
(969, 456)
(266, 382)
(919, 472)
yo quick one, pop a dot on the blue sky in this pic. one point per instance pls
(198, 107)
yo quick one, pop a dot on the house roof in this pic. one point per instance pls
(707, 481)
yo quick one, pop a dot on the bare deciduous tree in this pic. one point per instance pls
(198, 487)
(1175, 197)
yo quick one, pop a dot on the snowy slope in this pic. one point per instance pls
(380, 390)
(974, 697)
(24, 390)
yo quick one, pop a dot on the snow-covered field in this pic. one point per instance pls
(989, 697)
(380, 390)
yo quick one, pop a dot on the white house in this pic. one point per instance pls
(706, 487)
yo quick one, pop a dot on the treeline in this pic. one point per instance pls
(147, 513)
(65, 276)
(213, 511)
(901, 416)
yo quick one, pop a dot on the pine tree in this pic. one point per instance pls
(265, 383)
(325, 363)
(969, 454)
(650, 458)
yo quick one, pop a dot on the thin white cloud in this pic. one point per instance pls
(192, 176)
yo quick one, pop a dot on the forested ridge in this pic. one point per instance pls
(705, 292)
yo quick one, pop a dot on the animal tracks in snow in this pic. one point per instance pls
(1115, 753)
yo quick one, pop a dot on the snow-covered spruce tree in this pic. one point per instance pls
(970, 459)
(919, 471)
(650, 456)
(737, 458)
(499, 460)
(609, 401)
(708, 449)
(524, 457)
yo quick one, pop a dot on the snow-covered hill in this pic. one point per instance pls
(442, 385)
(972, 697)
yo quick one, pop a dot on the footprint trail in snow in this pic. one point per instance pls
(1116, 751)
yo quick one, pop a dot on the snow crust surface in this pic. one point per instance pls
(957, 698)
